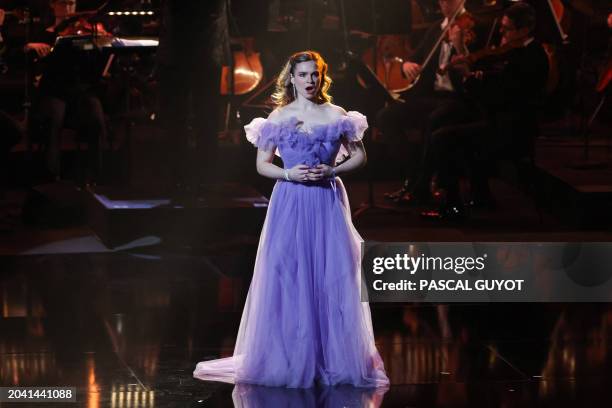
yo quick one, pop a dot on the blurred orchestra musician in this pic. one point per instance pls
(67, 89)
(2, 44)
(436, 98)
(11, 133)
(510, 88)
(193, 46)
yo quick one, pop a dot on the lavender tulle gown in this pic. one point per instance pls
(303, 321)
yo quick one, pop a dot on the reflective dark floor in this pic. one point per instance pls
(127, 329)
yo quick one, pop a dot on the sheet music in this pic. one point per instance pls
(135, 42)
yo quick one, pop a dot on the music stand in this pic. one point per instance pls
(373, 84)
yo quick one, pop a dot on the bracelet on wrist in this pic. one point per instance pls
(287, 175)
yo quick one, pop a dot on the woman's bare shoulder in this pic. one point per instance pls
(335, 111)
(279, 114)
(275, 115)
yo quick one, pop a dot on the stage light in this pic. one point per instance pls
(131, 13)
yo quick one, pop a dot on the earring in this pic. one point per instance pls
(294, 92)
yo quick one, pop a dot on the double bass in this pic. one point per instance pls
(247, 71)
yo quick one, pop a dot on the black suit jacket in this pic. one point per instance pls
(511, 95)
(514, 85)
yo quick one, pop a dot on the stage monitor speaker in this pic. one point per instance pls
(54, 205)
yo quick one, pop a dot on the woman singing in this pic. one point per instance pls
(303, 321)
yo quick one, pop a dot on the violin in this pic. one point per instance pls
(466, 23)
(445, 34)
(491, 53)
(79, 24)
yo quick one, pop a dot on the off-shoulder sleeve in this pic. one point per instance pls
(358, 124)
(353, 127)
(262, 133)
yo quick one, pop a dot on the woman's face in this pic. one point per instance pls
(306, 79)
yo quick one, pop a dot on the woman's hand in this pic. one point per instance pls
(320, 172)
(299, 173)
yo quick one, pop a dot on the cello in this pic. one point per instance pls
(392, 51)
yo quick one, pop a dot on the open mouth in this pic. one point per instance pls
(310, 88)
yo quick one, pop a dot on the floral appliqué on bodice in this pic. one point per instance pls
(296, 145)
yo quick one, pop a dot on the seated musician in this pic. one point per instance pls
(509, 91)
(436, 98)
(66, 90)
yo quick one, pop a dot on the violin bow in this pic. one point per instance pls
(442, 35)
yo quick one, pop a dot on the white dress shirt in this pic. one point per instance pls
(443, 82)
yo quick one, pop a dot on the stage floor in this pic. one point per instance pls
(126, 329)
(126, 326)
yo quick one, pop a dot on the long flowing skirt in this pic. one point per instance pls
(303, 321)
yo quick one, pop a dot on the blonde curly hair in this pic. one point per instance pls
(284, 90)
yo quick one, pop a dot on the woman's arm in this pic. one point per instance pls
(266, 168)
(356, 160)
